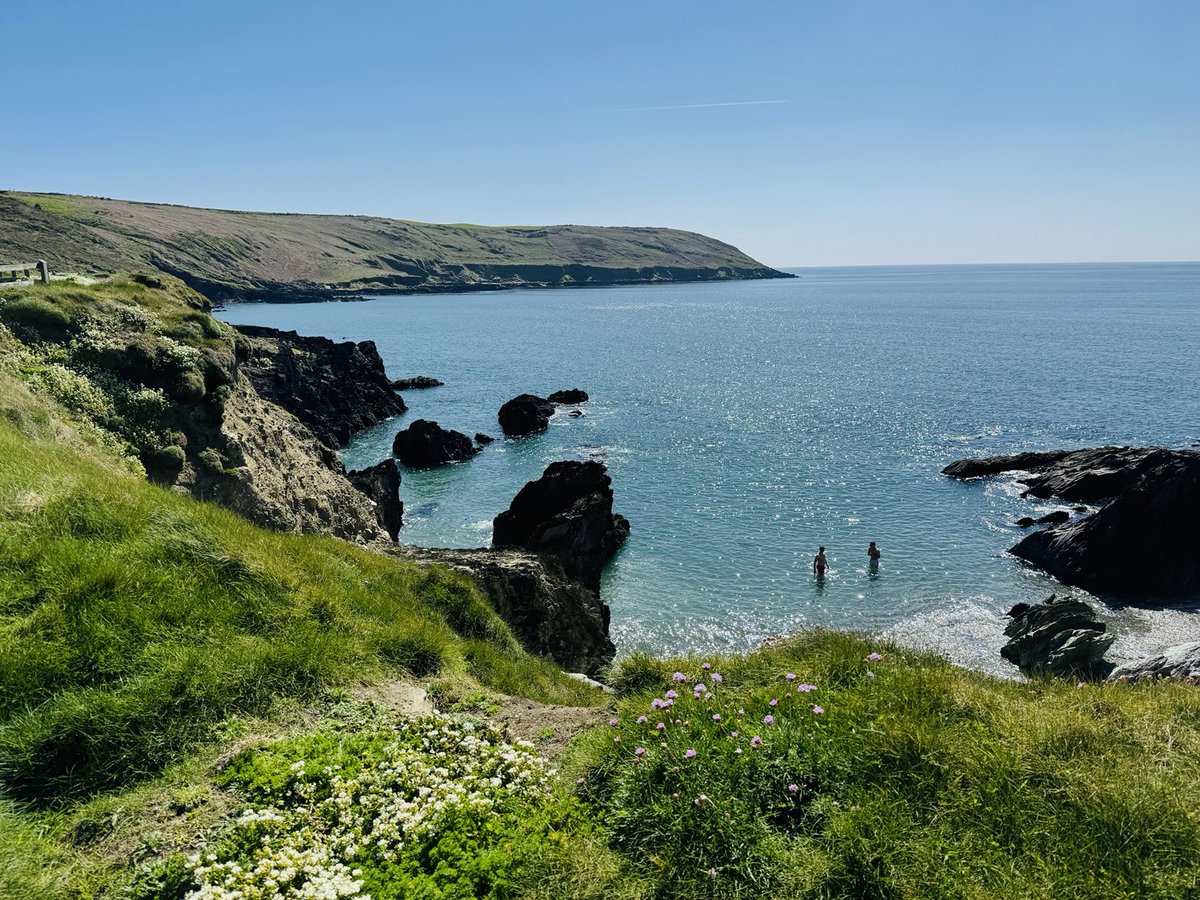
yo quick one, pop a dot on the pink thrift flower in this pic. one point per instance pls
(679, 676)
(716, 677)
(768, 720)
(612, 722)
(818, 710)
(806, 688)
(640, 751)
(656, 704)
(661, 726)
(716, 717)
(671, 695)
(874, 657)
(773, 702)
(705, 666)
(790, 676)
(642, 720)
(755, 741)
(733, 734)
(793, 788)
(690, 754)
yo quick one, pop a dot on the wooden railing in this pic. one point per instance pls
(18, 271)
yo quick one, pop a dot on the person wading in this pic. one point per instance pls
(820, 564)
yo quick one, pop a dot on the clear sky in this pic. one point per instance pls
(895, 132)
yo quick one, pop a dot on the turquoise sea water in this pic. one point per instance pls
(746, 423)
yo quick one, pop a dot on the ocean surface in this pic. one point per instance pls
(746, 423)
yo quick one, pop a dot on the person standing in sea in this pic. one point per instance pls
(820, 564)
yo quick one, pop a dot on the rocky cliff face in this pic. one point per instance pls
(335, 389)
(279, 475)
(551, 613)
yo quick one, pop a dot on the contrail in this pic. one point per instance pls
(692, 106)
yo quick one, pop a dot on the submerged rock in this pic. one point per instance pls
(381, 483)
(568, 397)
(1052, 518)
(567, 513)
(1083, 476)
(1058, 637)
(1181, 661)
(425, 444)
(481, 438)
(525, 414)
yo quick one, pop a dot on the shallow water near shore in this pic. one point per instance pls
(746, 423)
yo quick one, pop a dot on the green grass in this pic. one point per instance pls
(918, 779)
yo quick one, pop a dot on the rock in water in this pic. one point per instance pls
(418, 382)
(1141, 545)
(568, 397)
(424, 444)
(567, 513)
(1058, 637)
(525, 414)
(1181, 661)
(334, 389)
(481, 438)
(381, 482)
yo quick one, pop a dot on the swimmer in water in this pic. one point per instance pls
(820, 564)
(873, 552)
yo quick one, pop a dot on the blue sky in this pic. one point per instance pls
(908, 132)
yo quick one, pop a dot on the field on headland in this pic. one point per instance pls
(231, 255)
(190, 703)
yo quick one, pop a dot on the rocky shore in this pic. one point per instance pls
(1140, 546)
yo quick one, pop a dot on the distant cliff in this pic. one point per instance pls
(231, 256)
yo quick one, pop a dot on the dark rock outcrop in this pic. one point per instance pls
(551, 613)
(424, 444)
(567, 514)
(1081, 476)
(1181, 661)
(568, 397)
(481, 438)
(335, 389)
(1058, 637)
(381, 483)
(1140, 545)
(525, 414)
(418, 382)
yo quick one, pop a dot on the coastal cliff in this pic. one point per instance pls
(229, 256)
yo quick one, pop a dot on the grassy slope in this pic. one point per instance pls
(136, 625)
(243, 249)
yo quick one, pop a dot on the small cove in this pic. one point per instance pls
(745, 423)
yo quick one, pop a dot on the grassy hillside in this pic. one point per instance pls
(139, 627)
(231, 255)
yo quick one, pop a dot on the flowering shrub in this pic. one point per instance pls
(356, 815)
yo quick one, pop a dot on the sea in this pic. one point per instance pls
(747, 423)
